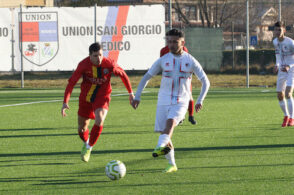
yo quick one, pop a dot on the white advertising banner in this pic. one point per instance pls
(58, 38)
(5, 39)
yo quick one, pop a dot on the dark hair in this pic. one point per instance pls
(94, 47)
(279, 24)
(175, 32)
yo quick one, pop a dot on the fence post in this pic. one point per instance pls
(247, 43)
(21, 54)
(233, 47)
(170, 14)
(95, 23)
(12, 40)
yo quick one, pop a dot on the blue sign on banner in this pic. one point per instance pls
(253, 40)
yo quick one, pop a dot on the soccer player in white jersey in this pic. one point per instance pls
(177, 68)
(284, 50)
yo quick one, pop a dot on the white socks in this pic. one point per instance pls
(88, 146)
(163, 140)
(284, 107)
(290, 106)
(171, 157)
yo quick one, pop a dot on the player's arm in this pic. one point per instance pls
(154, 70)
(68, 90)
(198, 71)
(292, 52)
(286, 67)
(278, 58)
(118, 71)
(143, 83)
(204, 89)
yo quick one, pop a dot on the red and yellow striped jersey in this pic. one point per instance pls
(96, 79)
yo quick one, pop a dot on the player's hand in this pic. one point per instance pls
(198, 107)
(64, 107)
(135, 104)
(285, 68)
(276, 69)
(131, 97)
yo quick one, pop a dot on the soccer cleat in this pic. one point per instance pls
(181, 122)
(192, 120)
(85, 153)
(171, 168)
(285, 121)
(158, 151)
(291, 122)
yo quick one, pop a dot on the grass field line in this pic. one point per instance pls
(50, 101)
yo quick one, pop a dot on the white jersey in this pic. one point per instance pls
(176, 77)
(284, 52)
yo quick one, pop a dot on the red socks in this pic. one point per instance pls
(191, 107)
(95, 133)
(84, 135)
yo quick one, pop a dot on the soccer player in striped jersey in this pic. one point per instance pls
(94, 99)
(191, 118)
(174, 94)
(284, 50)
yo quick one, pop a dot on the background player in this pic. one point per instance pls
(94, 99)
(284, 49)
(177, 67)
(191, 119)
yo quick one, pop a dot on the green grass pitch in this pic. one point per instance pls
(237, 147)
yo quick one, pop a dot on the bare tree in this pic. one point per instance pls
(178, 9)
(204, 13)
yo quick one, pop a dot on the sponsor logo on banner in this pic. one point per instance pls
(40, 36)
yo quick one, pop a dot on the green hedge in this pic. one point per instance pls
(260, 61)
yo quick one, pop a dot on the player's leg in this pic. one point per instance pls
(290, 103)
(85, 113)
(160, 125)
(99, 110)
(191, 109)
(83, 130)
(281, 86)
(172, 167)
(100, 115)
(174, 114)
(164, 139)
(191, 112)
(289, 97)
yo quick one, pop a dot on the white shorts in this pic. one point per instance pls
(284, 79)
(164, 112)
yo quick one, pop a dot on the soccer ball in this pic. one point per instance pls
(115, 170)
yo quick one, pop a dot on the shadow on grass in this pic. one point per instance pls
(30, 129)
(70, 183)
(149, 150)
(240, 166)
(267, 127)
(40, 135)
(105, 132)
(38, 164)
(126, 132)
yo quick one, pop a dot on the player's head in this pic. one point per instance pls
(175, 41)
(279, 29)
(96, 53)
